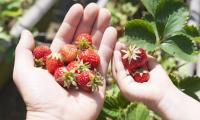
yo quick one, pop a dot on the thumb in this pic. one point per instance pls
(23, 52)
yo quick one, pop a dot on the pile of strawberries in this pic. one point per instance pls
(135, 61)
(74, 65)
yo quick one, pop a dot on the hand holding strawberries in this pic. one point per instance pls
(43, 96)
(148, 86)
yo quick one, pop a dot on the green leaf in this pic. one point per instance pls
(141, 33)
(114, 103)
(4, 36)
(190, 85)
(10, 13)
(191, 31)
(164, 10)
(151, 5)
(137, 112)
(180, 46)
(175, 22)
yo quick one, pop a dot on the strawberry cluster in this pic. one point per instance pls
(74, 65)
(135, 61)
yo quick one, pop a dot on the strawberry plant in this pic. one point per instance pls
(164, 33)
(164, 29)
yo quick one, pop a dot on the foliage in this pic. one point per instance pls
(117, 108)
(10, 10)
(121, 10)
(164, 29)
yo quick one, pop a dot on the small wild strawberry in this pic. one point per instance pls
(134, 57)
(69, 52)
(40, 53)
(64, 77)
(83, 41)
(77, 66)
(141, 75)
(88, 81)
(90, 57)
(54, 61)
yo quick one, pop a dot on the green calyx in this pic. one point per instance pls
(84, 44)
(96, 80)
(69, 78)
(39, 62)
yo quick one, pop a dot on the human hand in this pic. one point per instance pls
(44, 98)
(151, 92)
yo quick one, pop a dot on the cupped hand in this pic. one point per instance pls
(151, 92)
(44, 98)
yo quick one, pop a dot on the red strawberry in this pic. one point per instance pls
(141, 75)
(78, 66)
(84, 41)
(134, 57)
(91, 57)
(69, 52)
(88, 81)
(64, 77)
(40, 53)
(54, 61)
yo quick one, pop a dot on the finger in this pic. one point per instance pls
(106, 48)
(67, 29)
(152, 62)
(23, 52)
(102, 22)
(89, 17)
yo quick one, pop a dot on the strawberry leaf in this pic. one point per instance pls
(190, 85)
(137, 112)
(192, 32)
(175, 22)
(151, 6)
(180, 46)
(141, 33)
(170, 13)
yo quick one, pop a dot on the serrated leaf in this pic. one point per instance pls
(151, 5)
(175, 22)
(191, 31)
(180, 46)
(190, 85)
(114, 103)
(137, 112)
(164, 9)
(141, 33)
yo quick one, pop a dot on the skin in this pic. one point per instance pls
(159, 93)
(43, 97)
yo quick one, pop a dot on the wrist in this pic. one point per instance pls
(167, 106)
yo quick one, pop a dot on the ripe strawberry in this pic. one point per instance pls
(40, 53)
(53, 62)
(84, 41)
(134, 57)
(77, 66)
(64, 77)
(141, 75)
(69, 52)
(88, 81)
(91, 57)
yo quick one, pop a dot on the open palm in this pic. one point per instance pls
(150, 92)
(43, 96)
